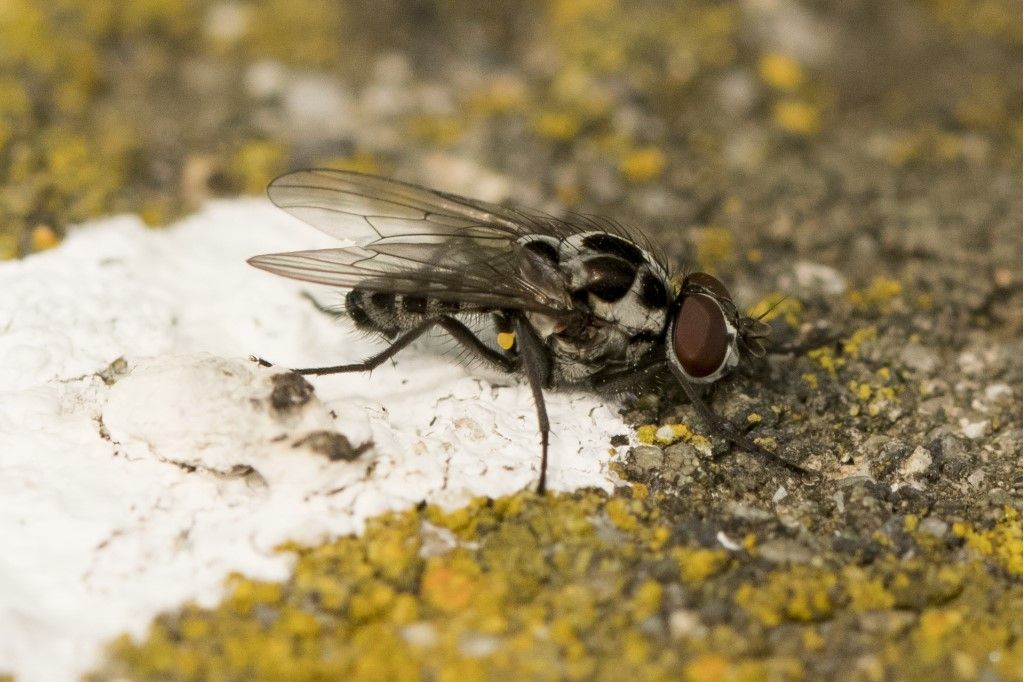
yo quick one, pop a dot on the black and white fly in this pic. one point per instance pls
(580, 301)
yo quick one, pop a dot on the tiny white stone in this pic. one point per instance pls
(995, 391)
(420, 634)
(265, 78)
(973, 430)
(665, 433)
(685, 623)
(477, 645)
(933, 526)
(779, 495)
(227, 21)
(727, 542)
(819, 278)
(918, 462)
(970, 363)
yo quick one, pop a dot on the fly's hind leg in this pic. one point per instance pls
(537, 365)
(460, 332)
(326, 310)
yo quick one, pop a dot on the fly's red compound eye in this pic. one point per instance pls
(699, 336)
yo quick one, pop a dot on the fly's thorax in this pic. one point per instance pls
(620, 295)
(611, 278)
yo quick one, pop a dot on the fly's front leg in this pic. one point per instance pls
(537, 364)
(625, 379)
(723, 429)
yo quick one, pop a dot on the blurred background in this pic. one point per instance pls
(870, 134)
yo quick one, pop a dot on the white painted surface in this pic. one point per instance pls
(99, 534)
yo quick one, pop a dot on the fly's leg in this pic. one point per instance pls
(723, 429)
(460, 332)
(321, 307)
(465, 336)
(624, 379)
(537, 365)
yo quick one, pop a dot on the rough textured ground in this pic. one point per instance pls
(862, 158)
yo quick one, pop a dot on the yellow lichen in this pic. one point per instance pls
(642, 165)
(439, 131)
(619, 513)
(708, 668)
(43, 237)
(797, 594)
(645, 434)
(852, 345)
(774, 306)
(781, 71)
(826, 358)
(649, 434)
(715, 246)
(556, 125)
(878, 295)
(1002, 542)
(797, 117)
(698, 564)
(865, 593)
(647, 600)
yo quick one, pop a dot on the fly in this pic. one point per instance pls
(580, 302)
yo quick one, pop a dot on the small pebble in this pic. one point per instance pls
(918, 462)
(888, 622)
(818, 278)
(647, 457)
(934, 526)
(784, 551)
(726, 542)
(685, 623)
(476, 645)
(665, 433)
(973, 430)
(921, 359)
(420, 634)
(682, 458)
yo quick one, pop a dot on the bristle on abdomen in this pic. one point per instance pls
(389, 314)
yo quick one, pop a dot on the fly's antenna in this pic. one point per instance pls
(773, 307)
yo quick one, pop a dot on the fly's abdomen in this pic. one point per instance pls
(389, 314)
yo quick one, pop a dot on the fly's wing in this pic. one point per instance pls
(413, 240)
(367, 209)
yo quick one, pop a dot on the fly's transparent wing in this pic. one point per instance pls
(409, 239)
(486, 283)
(366, 208)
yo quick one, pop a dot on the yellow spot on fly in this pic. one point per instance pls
(506, 340)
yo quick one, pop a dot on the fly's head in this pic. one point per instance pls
(707, 334)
